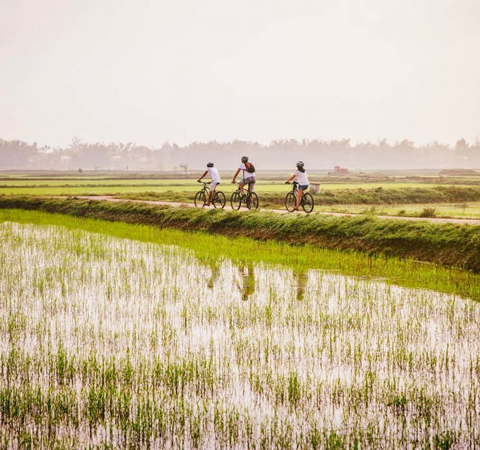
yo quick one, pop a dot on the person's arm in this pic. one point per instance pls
(290, 179)
(202, 176)
(235, 176)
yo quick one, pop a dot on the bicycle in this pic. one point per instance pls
(218, 197)
(306, 202)
(250, 200)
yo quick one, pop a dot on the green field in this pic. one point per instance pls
(470, 210)
(114, 336)
(111, 187)
(93, 182)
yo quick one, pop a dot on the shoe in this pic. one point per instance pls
(206, 204)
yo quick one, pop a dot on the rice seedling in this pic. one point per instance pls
(109, 342)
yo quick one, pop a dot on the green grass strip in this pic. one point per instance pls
(125, 221)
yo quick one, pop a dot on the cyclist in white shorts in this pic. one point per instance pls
(215, 180)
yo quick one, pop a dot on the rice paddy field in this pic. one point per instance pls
(121, 336)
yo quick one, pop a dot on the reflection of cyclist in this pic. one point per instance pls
(302, 179)
(248, 175)
(248, 281)
(215, 180)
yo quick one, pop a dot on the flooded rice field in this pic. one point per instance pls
(111, 342)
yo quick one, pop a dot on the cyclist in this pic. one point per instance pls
(215, 180)
(248, 175)
(302, 179)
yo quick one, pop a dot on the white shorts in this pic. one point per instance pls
(214, 185)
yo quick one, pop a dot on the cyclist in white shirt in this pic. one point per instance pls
(302, 179)
(215, 180)
(249, 177)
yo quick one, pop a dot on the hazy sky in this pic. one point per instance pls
(150, 71)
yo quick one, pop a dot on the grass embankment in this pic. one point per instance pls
(211, 248)
(446, 244)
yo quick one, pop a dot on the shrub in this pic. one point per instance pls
(428, 212)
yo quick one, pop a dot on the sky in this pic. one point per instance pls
(152, 71)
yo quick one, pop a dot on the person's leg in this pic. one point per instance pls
(242, 188)
(299, 198)
(210, 194)
(251, 187)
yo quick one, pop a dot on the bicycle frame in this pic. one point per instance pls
(217, 198)
(247, 198)
(292, 202)
(295, 191)
(240, 192)
(205, 188)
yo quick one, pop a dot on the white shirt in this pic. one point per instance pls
(246, 173)
(214, 174)
(301, 178)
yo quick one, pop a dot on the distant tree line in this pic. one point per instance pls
(281, 154)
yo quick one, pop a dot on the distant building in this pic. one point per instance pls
(340, 170)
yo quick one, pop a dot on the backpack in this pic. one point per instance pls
(250, 167)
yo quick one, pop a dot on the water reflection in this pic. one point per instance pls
(301, 284)
(246, 282)
(215, 268)
(248, 274)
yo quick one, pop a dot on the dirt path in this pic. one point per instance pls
(110, 198)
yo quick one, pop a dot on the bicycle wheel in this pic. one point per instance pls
(219, 200)
(236, 200)
(252, 201)
(200, 199)
(307, 202)
(290, 202)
